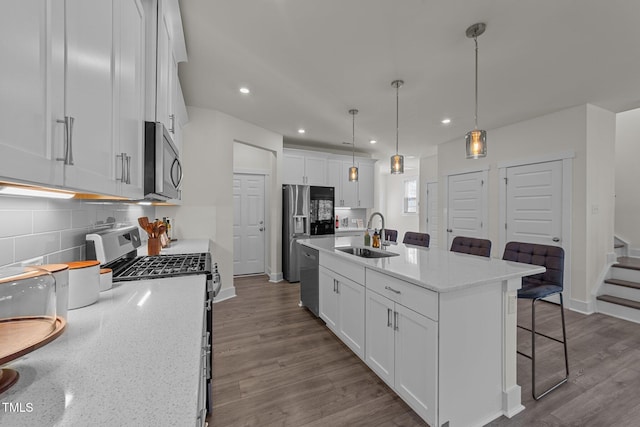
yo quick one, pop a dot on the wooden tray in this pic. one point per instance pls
(14, 334)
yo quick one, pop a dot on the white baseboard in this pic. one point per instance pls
(634, 252)
(275, 277)
(511, 403)
(612, 258)
(584, 307)
(225, 293)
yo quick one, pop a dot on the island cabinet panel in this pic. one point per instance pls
(412, 296)
(342, 308)
(328, 299)
(402, 348)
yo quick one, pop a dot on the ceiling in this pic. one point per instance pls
(307, 62)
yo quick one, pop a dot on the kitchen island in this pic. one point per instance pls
(133, 358)
(438, 327)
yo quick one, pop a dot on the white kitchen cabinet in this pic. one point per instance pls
(351, 194)
(342, 308)
(81, 88)
(401, 347)
(28, 128)
(301, 168)
(89, 94)
(129, 98)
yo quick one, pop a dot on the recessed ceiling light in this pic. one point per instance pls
(445, 121)
(373, 141)
(245, 90)
(301, 131)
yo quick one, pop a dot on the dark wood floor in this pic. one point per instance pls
(277, 364)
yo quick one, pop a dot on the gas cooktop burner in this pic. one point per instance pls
(146, 267)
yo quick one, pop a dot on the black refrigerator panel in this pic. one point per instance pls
(322, 211)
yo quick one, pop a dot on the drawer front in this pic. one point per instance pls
(345, 268)
(412, 296)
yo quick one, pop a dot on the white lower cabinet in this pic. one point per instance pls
(402, 348)
(342, 308)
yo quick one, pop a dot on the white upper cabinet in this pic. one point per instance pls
(72, 94)
(89, 91)
(27, 124)
(304, 168)
(129, 98)
(365, 184)
(165, 49)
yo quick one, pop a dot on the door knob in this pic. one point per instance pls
(261, 222)
(449, 230)
(261, 228)
(556, 239)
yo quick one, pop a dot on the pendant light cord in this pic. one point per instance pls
(476, 113)
(353, 139)
(397, 114)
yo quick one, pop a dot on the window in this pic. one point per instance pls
(410, 196)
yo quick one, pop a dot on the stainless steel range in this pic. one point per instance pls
(117, 249)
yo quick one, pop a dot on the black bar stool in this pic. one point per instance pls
(471, 245)
(390, 235)
(537, 287)
(418, 239)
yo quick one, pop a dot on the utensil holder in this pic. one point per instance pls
(153, 246)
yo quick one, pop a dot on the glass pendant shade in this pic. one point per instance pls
(397, 164)
(476, 144)
(353, 174)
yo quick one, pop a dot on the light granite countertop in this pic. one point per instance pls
(432, 268)
(131, 359)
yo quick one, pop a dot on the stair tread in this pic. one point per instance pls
(625, 283)
(618, 245)
(630, 263)
(620, 301)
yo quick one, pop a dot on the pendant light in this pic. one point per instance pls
(476, 140)
(353, 170)
(397, 160)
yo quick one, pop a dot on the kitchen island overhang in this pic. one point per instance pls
(475, 321)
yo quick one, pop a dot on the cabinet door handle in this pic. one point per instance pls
(68, 140)
(337, 287)
(389, 288)
(449, 230)
(334, 285)
(172, 121)
(123, 175)
(388, 317)
(128, 181)
(395, 321)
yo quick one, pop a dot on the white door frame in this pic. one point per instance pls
(567, 186)
(444, 236)
(266, 207)
(428, 201)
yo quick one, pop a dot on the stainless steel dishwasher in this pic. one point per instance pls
(309, 290)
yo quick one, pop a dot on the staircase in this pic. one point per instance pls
(620, 294)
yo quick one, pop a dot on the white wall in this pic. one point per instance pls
(586, 130)
(428, 173)
(207, 197)
(249, 158)
(627, 149)
(393, 213)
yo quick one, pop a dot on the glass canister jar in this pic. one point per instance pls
(27, 309)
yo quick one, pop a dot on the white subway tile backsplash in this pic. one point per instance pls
(69, 255)
(80, 219)
(34, 245)
(72, 238)
(44, 221)
(22, 203)
(6, 252)
(56, 229)
(15, 223)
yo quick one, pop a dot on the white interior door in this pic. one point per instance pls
(431, 202)
(248, 224)
(466, 202)
(534, 203)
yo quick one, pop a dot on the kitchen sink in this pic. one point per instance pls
(366, 253)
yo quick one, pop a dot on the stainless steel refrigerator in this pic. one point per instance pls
(307, 211)
(295, 225)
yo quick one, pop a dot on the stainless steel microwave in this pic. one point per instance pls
(162, 167)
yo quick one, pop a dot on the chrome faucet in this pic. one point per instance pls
(383, 242)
